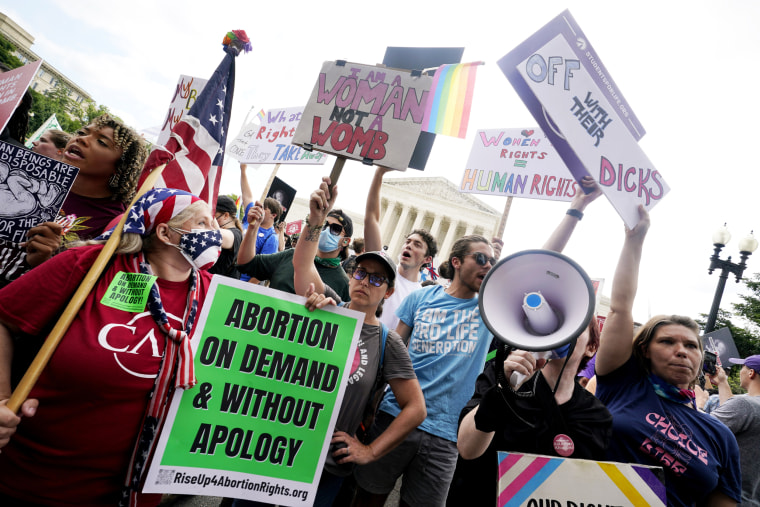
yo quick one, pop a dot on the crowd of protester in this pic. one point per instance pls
(431, 416)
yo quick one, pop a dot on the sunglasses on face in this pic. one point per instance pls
(481, 259)
(376, 280)
(335, 229)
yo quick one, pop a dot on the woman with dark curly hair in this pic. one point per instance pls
(110, 156)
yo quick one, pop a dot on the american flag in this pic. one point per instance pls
(195, 151)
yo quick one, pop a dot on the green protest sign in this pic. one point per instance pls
(271, 377)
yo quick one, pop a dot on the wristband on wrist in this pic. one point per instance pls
(575, 213)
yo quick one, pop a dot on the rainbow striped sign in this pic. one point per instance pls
(448, 107)
(532, 479)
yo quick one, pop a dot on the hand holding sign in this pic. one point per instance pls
(321, 202)
(44, 240)
(316, 300)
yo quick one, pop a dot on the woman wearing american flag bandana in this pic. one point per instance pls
(88, 428)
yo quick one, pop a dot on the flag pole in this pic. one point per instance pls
(54, 338)
(245, 122)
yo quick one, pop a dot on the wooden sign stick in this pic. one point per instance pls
(269, 183)
(504, 215)
(77, 300)
(336, 170)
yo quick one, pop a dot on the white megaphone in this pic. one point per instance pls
(537, 300)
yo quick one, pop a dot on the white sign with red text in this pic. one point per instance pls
(187, 91)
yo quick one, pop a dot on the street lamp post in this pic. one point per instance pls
(746, 247)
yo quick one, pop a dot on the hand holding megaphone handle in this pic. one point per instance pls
(516, 379)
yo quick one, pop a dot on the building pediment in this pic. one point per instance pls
(439, 189)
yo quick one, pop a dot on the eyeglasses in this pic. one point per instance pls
(335, 229)
(481, 259)
(376, 280)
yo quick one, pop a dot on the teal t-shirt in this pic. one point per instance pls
(448, 348)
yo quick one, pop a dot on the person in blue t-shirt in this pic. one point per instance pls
(267, 239)
(647, 384)
(448, 344)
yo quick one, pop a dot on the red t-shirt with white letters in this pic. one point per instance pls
(94, 391)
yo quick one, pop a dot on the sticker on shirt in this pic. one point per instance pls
(129, 291)
(358, 366)
(564, 445)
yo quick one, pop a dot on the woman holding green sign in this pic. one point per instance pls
(103, 396)
(384, 353)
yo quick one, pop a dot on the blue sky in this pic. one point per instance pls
(687, 68)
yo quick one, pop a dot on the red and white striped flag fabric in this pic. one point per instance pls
(195, 151)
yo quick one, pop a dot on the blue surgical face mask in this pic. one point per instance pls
(560, 352)
(328, 242)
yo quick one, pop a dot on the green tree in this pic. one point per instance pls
(44, 106)
(58, 101)
(92, 111)
(749, 309)
(60, 95)
(6, 54)
(745, 336)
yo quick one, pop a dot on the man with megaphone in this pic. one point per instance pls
(448, 343)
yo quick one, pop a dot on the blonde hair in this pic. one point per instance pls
(131, 242)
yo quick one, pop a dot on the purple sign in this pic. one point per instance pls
(565, 25)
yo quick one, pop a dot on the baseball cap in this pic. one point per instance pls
(752, 362)
(386, 261)
(225, 204)
(345, 221)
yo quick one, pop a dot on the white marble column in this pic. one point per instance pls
(399, 232)
(435, 230)
(418, 221)
(448, 241)
(385, 221)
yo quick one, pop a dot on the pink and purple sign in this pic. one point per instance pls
(564, 84)
(366, 113)
(13, 84)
